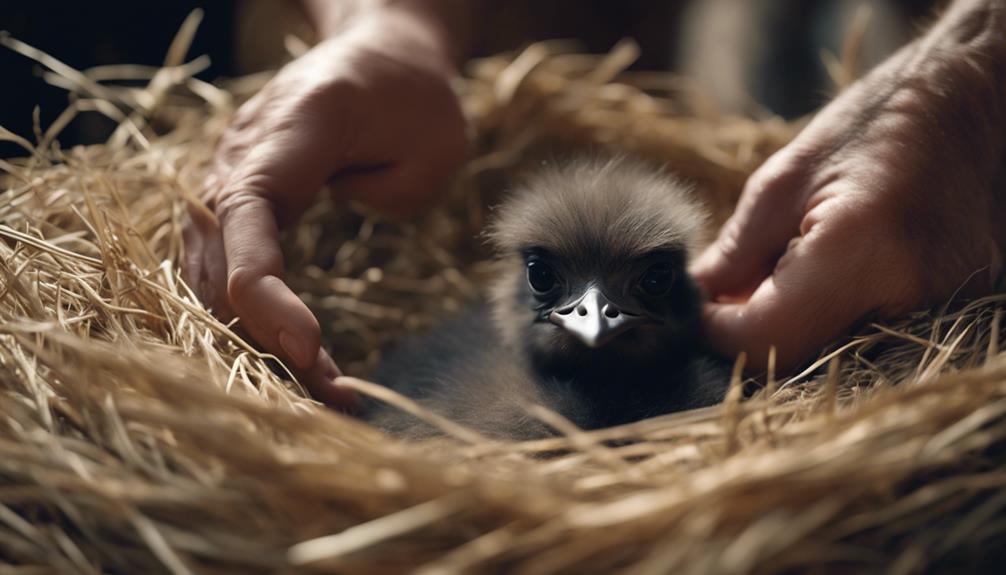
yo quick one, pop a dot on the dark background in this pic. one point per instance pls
(788, 78)
(84, 34)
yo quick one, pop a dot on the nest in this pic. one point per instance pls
(141, 435)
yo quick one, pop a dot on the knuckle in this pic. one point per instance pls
(778, 179)
(242, 194)
(229, 203)
(728, 242)
(768, 185)
(341, 87)
(233, 145)
(244, 119)
(240, 281)
(324, 96)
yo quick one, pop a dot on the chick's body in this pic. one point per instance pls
(594, 316)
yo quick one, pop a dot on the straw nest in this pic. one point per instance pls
(140, 435)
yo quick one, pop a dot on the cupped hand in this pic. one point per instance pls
(887, 201)
(369, 111)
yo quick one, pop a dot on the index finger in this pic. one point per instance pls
(277, 177)
(273, 315)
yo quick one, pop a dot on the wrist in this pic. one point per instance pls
(330, 17)
(970, 34)
(961, 61)
(970, 20)
(442, 24)
(439, 24)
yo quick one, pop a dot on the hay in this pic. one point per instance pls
(140, 435)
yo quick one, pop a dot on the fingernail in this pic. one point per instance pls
(328, 368)
(343, 397)
(295, 350)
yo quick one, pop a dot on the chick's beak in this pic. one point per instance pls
(594, 319)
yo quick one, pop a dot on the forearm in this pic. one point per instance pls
(447, 22)
(964, 56)
(956, 70)
(972, 24)
(964, 53)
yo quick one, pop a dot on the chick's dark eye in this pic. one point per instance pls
(657, 280)
(540, 276)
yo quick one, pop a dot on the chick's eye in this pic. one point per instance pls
(540, 276)
(657, 280)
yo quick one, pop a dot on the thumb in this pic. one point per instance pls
(749, 244)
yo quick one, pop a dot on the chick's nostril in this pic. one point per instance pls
(581, 310)
(610, 311)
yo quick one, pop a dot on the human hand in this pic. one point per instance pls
(889, 200)
(369, 111)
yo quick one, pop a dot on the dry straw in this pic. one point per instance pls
(140, 435)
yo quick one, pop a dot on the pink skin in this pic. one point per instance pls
(369, 111)
(889, 200)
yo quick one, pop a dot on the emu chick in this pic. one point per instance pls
(594, 316)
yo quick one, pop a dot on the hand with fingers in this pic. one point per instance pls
(889, 200)
(370, 112)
